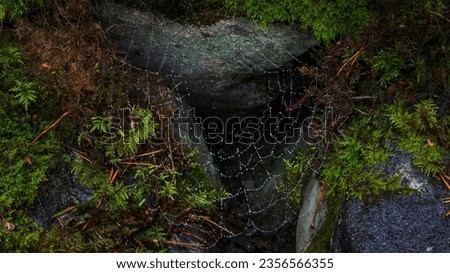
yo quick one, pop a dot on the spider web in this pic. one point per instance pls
(258, 215)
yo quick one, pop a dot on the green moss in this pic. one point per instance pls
(22, 236)
(297, 172)
(13, 9)
(326, 19)
(352, 169)
(389, 65)
(321, 240)
(422, 133)
(22, 164)
(129, 213)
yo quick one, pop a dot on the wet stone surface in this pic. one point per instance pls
(61, 191)
(397, 223)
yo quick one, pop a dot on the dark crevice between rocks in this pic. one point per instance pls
(243, 138)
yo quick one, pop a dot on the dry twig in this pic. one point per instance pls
(197, 217)
(138, 163)
(319, 201)
(350, 61)
(50, 127)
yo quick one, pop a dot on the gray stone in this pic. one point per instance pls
(61, 191)
(397, 223)
(309, 212)
(223, 67)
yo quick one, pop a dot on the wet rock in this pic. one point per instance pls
(397, 223)
(312, 215)
(224, 67)
(61, 191)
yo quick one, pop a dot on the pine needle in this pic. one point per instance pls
(196, 217)
(138, 163)
(445, 181)
(319, 201)
(50, 127)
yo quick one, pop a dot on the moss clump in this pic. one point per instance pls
(352, 169)
(422, 133)
(12, 9)
(327, 19)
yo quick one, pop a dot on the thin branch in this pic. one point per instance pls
(50, 127)
(139, 243)
(318, 202)
(79, 153)
(350, 61)
(114, 176)
(440, 15)
(138, 163)
(360, 111)
(361, 97)
(445, 181)
(112, 26)
(196, 217)
(146, 154)
(174, 243)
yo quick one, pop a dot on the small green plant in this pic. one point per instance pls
(150, 192)
(422, 133)
(13, 9)
(168, 190)
(297, 171)
(418, 66)
(12, 72)
(389, 65)
(10, 56)
(352, 170)
(122, 137)
(25, 93)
